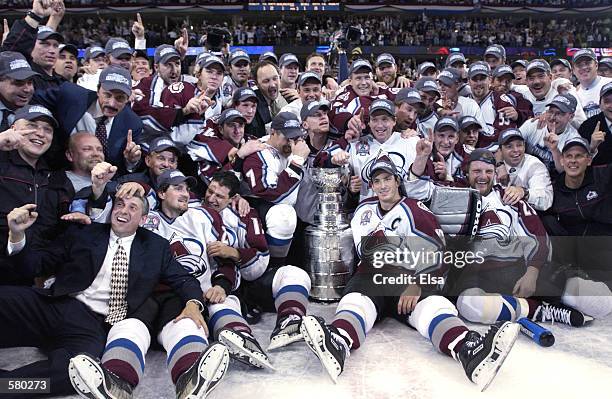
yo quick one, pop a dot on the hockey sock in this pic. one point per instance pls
(127, 344)
(355, 315)
(227, 315)
(290, 289)
(183, 342)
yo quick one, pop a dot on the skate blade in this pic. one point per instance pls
(504, 341)
(282, 342)
(314, 337)
(211, 369)
(87, 378)
(233, 342)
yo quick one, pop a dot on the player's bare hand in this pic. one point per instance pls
(501, 175)
(192, 311)
(289, 94)
(552, 141)
(138, 28)
(182, 43)
(407, 133)
(402, 82)
(241, 206)
(513, 194)
(356, 123)
(5, 30)
(340, 158)
(215, 294)
(355, 184)
(597, 137)
(408, 299)
(102, 173)
(526, 285)
(300, 148)
(250, 147)
(510, 113)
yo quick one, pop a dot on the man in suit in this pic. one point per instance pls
(598, 128)
(104, 273)
(103, 112)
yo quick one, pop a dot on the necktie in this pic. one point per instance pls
(4, 124)
(101, 133)
(117, 305)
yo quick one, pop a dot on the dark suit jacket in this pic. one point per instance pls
(604, 151)
(77, 256)
(262, 116)
(69, 102)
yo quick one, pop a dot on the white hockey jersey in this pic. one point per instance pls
(589, 96)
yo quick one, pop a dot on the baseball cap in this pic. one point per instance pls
(483, 155)
(93, 52)
(580, 141)
(385, 58)
(238, 55)
(360, 64)
(382, 104)
(561, 61)
(201, 57)
(383, 163)
(288, 124)
(446, 121)
(165, 53)
(243, 93)
(160, 144)
(454, 58)
(425, 66)
(15, 66)
(467, 121)
(427, 84)
(46, 32)
(502, 70)
(584, 53)
(606, 62)
(538, 64)
(479, 68)
(269, 56)
(230, 115)
(408, 95)
(449, 76)
(117, 47)
(496, 50)
(605, 89)
(210, 60)
(565, 102)
(516, 63)
(33, 112)
(311, 107)
(69, 48)
(309, 75)
(116, 78)
(509, 134)
(288, 59)
(173, 177)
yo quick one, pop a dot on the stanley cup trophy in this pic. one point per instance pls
(329, 242)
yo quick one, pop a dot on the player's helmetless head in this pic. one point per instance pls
(128, 214)
(310, 91)
(174, 198)
(157, 162)
(493, 61)
(140, 68)
(111, 101)
(221, 190)
(361, 80)
(268, 80)
(35, 144)
(240, 71)
(585, 69)
(233, 131)
(16, 93)
(561, 71)
(513, 151)
(381, 124)
(469, 135)
(481, 176)
(316, 63)
(502, 84)
(445, 140)
(123, 61)
(211, 77)
(386, 72)
(247, 108)
(406, 114)
(557, 118)
(386, 187)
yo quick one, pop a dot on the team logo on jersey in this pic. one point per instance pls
(591, 195)
(176, 87)
(190, 253)
(366, 217)
(509, 99)
(363, 148)
(152, 222)
(227, 90)
(342, 97)
(423, 207)
(495, 225)
(398, 159)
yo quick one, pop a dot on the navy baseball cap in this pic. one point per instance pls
(360, 64)
(605, 62)
(34, 112)
(447, 121)
(538, 64)
(288, 59)
(230, 115)
(117, 47)
(288, 124)
(496, 50)
(565, 102)
(577, 141)
(46, 32)
(427, 84)
(269, 56)
(483, 155)
(69, 48)
(309, 75)
(93, 52)
(15, 66)
(211, 60)
(449, 76)
(468, 121)
(605, 89)
(310, 108)
(383, 164)
(165, 53)
(479, 68)
(409, 95)
(509, 134)
(385, 58)
(425, 66)
(561, 61)
(516, 63)
(173, 177)
(502, 70)
(163, 143)
(382, 104)
(453, 58)
(584, 53)
(243, 94)
(238, 55)
(116, 78)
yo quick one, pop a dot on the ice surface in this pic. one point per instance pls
(396, 362)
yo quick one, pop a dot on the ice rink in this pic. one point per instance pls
(396, 362)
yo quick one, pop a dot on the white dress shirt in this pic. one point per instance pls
(87, 123)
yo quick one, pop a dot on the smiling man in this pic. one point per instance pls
(16, 86)
(585, 69)
(309, 89)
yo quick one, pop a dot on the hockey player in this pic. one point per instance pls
(309, 88)
(386, 72)
(458, 61)
(239, 73)
(408, 106)
(445, 163)
(387, 214)
(283, 290)
(585, 68)
(430, 93)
